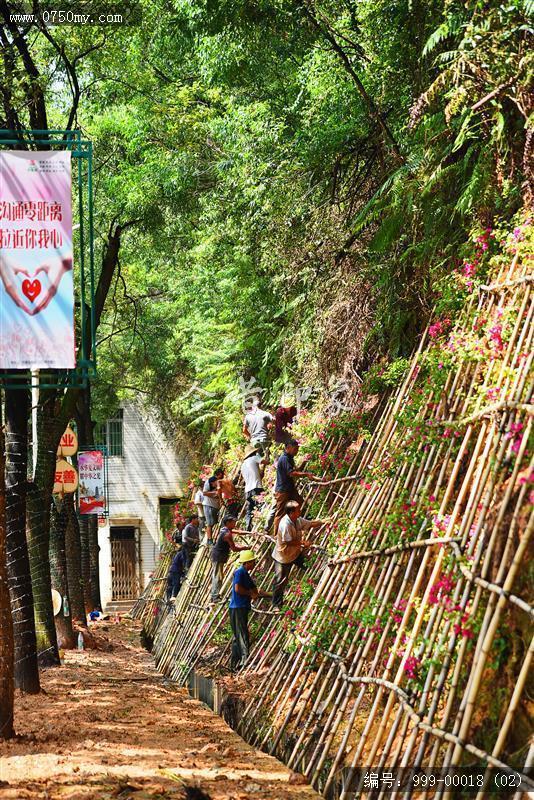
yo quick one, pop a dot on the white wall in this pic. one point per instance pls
(150, 468)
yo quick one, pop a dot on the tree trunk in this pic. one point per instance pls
(74, 562)
(18, 563)
(58, 571)
(49, 431)
(94, 550)
(6, 622)
(83, 523)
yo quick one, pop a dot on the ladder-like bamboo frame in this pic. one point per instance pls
(351, 703)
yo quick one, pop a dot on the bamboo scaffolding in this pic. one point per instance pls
(330, 688)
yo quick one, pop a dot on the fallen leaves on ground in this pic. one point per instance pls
(109, 727)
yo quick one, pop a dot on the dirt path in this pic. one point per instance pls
(109, 726)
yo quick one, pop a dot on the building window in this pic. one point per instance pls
(109, 434)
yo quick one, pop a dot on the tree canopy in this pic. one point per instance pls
(295, 178)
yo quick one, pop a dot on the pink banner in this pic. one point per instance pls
(36, 286)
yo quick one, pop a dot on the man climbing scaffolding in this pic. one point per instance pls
(252, 470)
(243, 591)
(212, 502)
(257, 427)
(284, 417)
(176, 574)
(220, 553)
(228, 496)
(285, 488)
(290, 547)
(190, 539)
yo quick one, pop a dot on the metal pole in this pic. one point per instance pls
(35, 404)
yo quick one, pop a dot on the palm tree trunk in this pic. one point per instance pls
(6, 622)
(18, 563)
(58, 571)
(49, 430)
(83, 522)
(89, 522)
(74, 562)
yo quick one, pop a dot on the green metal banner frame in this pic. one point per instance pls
(82, 152)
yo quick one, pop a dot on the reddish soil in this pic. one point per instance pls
(107, 725)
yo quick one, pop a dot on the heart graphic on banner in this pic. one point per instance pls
(31, 289)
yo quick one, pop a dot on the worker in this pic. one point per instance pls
(190, 539)
(220, 553)
(284, 416)
(257, 427)
(198, 500)
(290, 547)
(252, 469)
(212, 502)
(285, 488)
(179, 522)
(243, 591)
(227, 490)
(176, 574)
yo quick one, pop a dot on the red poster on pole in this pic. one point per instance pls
(91, 493)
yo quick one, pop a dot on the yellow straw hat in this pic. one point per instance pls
(247, 555)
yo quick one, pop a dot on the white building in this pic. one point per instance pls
(147, 475)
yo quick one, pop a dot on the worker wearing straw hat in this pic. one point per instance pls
(290, 547)
(243, 591)
(252, 469)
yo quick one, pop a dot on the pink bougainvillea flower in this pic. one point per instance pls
(526, 478)
(495, 336)
(411, 666)
(441, 590)
(517, 444)
(467, 633)
(469, 270)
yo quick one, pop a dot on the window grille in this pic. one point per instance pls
(110, 435)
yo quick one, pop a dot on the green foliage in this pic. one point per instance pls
(275, 230)
(385, 376)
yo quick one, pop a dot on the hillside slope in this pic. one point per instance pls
(409, 640)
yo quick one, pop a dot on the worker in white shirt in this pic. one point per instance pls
(198, 500)
(252, 469)
(290, 547)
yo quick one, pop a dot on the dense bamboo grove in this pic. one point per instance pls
(410, 642)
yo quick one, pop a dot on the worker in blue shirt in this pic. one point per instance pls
(243, 591)
(176, 574)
